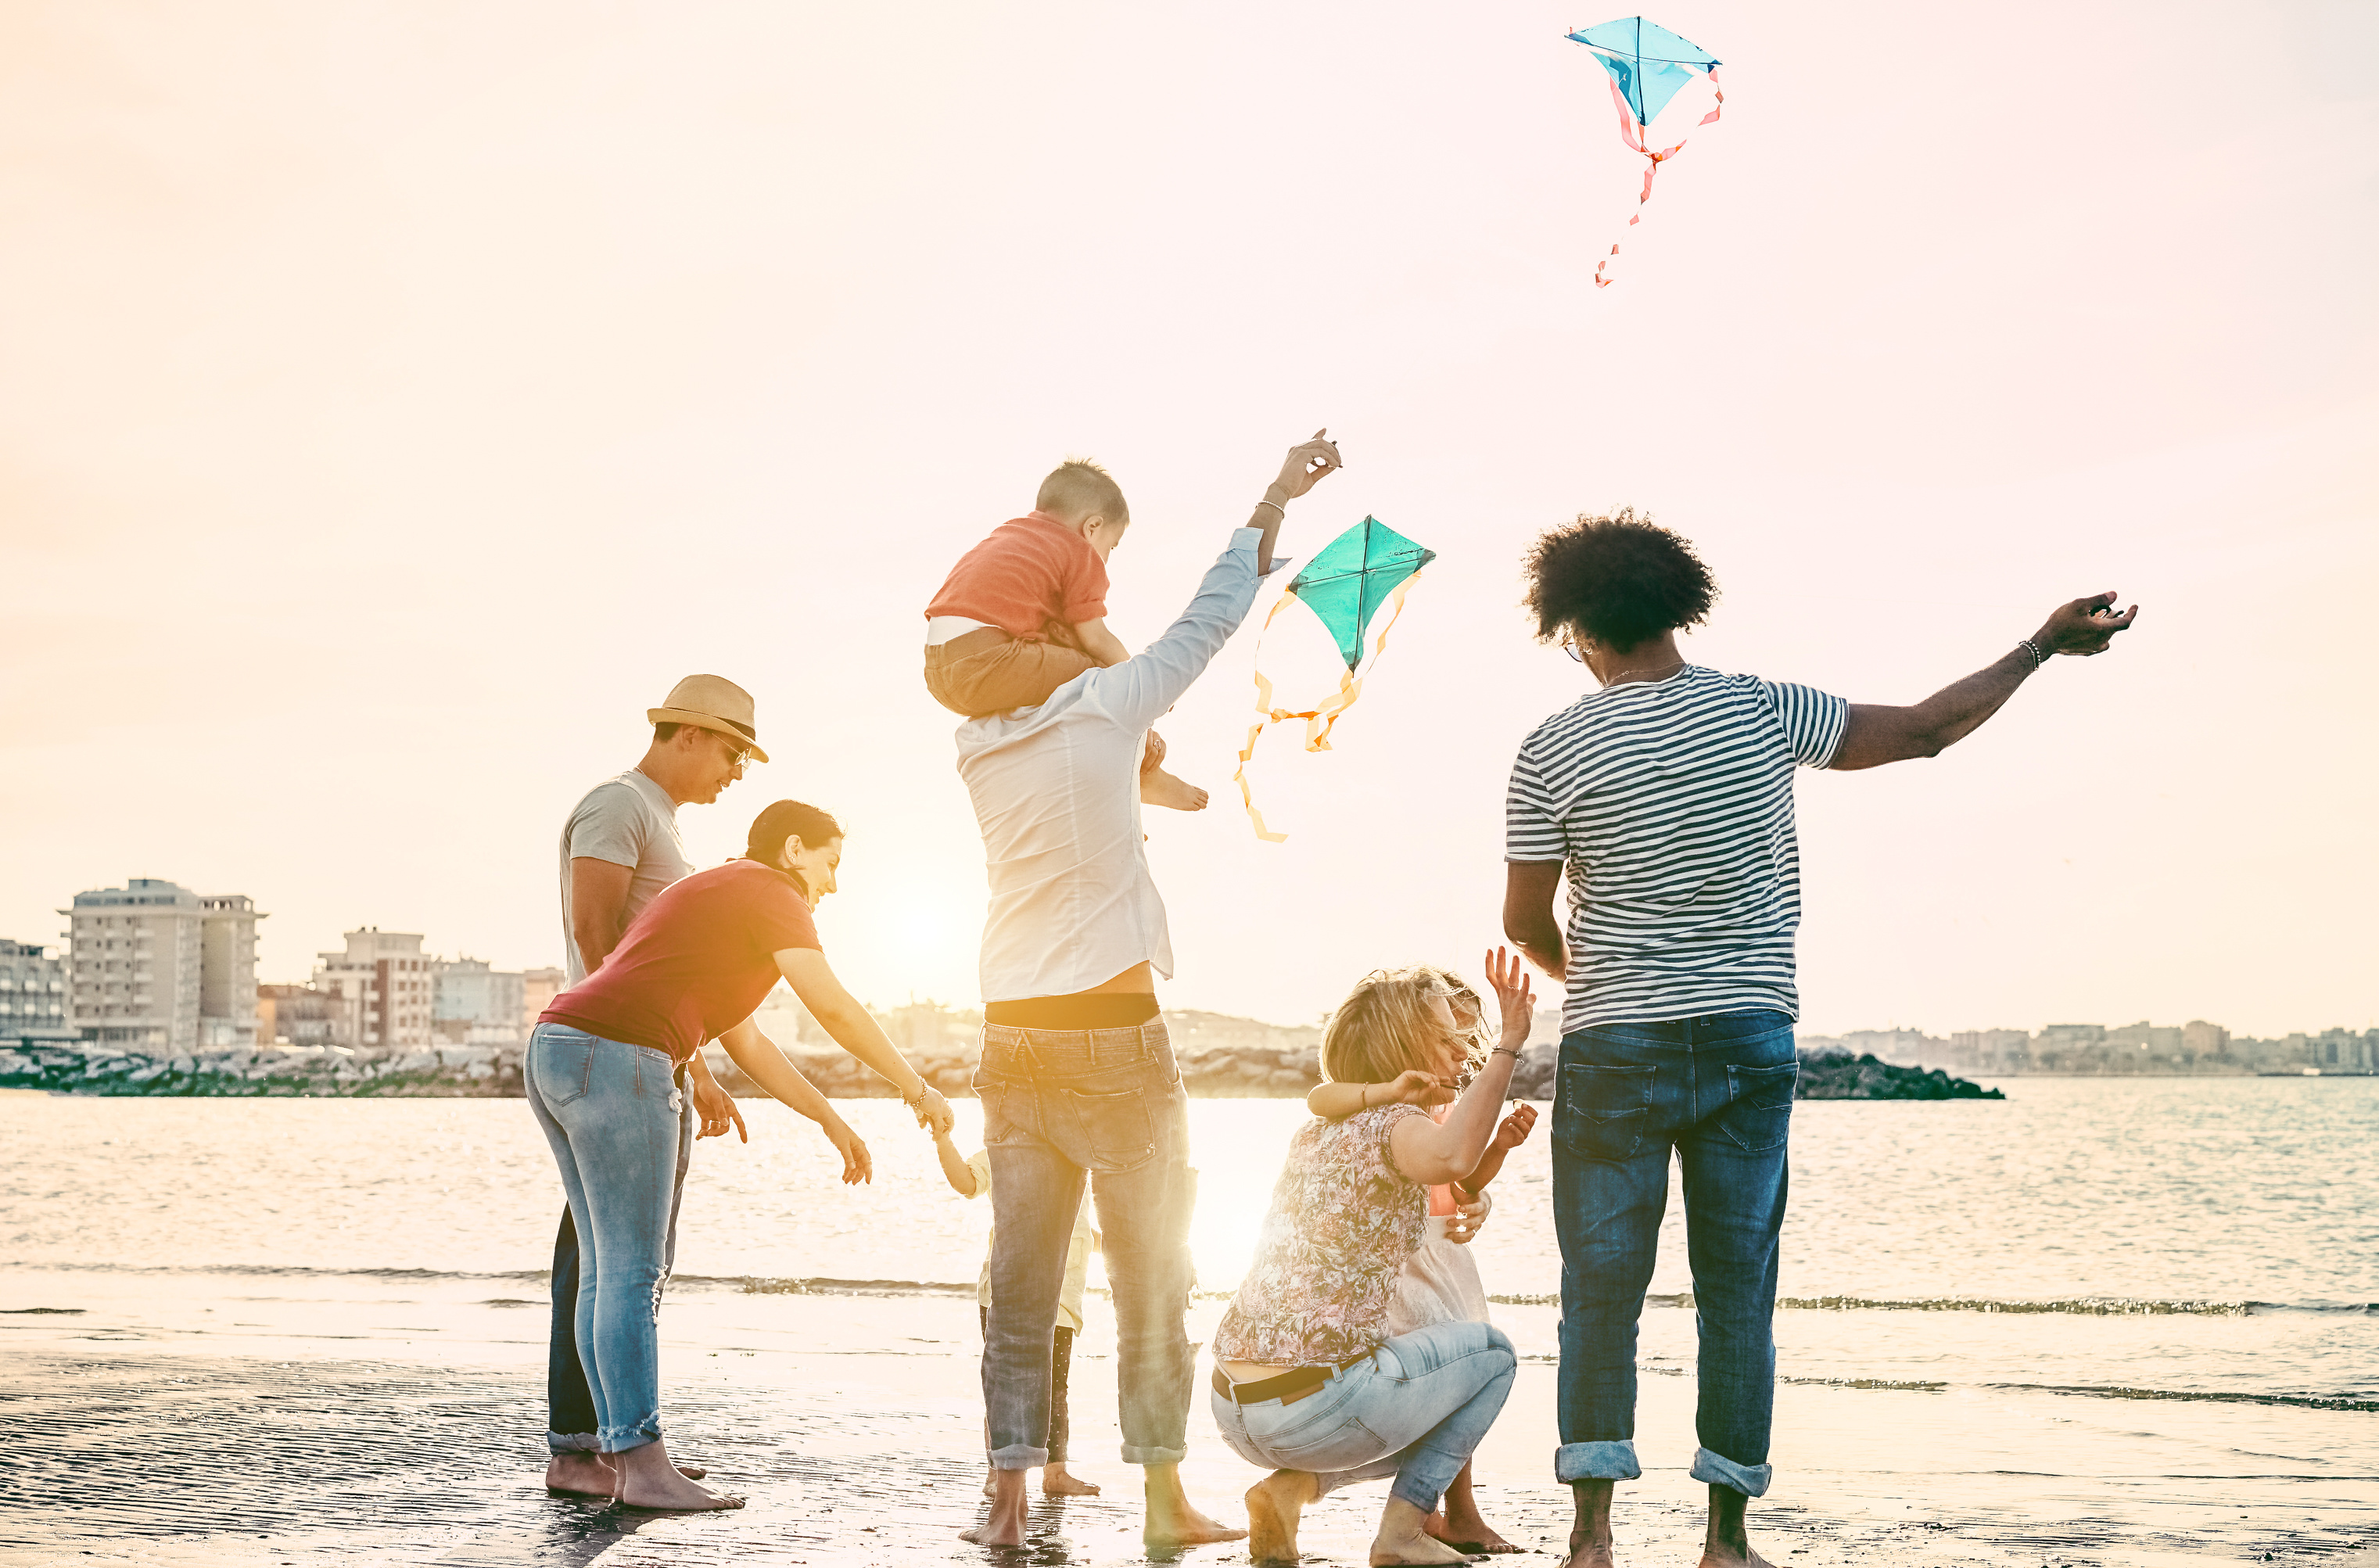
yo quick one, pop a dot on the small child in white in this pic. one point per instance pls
(971, 1177)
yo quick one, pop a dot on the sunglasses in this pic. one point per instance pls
(1569, 646)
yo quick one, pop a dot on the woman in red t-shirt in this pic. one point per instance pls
(606, 1078)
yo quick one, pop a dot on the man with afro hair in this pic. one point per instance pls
(1666, 795)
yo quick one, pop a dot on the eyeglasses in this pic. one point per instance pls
(1569, 646)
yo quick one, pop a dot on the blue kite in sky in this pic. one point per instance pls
(1647, 64)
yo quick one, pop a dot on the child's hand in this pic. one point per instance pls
(1414, 1087)
(1509, 978)
(1514, 1128)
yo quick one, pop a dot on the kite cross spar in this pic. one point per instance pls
(1647, 64)
(1368, 568)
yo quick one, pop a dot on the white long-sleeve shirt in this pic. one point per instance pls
(1056, 794)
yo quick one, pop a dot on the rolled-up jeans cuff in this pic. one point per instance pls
(1018, 1457)
(1132, 1455)
(1751, 1480)
(1596, 1462)
(573, 1442)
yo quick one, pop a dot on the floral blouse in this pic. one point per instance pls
(1343, 1221)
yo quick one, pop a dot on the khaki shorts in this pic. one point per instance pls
(978, 673)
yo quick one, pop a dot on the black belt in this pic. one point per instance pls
(1287, 1387)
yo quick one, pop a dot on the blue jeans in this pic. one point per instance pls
(618, 1122)
(1718, 1089)
(1060, 1106)
(1420, 1406)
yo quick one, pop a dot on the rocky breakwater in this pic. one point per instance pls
(1837, 1075)
(450, 1070)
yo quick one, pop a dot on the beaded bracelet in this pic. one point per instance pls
(2039, 658)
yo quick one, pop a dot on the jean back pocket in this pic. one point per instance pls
(1116, 1133)
(1758, 1112)
(1601, 1112)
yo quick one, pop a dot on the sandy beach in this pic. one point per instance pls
(402, 1428)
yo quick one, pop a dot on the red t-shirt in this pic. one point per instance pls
(1030, 571)
(695, 963)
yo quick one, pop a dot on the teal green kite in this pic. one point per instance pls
(1365, 570)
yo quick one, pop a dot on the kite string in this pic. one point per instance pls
(1319, 718)
(1627, 134)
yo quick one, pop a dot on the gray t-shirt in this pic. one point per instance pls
(629, 821)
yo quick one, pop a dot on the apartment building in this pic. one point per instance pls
(474, 1005)
(155, 967)
(384, 991)
(32, 996)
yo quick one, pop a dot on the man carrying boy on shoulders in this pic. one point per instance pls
(1078, 1078)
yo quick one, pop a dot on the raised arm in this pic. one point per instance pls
(1431, 1153)
(1138, 690)
(1874, 734)
(855, 1030)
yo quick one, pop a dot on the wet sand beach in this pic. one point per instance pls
(305, 1332)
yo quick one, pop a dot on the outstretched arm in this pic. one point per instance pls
(854, 1029)
(765, 1065)
(1336, 1102)
(1140, 689)
(1874, 734)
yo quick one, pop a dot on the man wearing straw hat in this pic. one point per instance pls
(620, 847)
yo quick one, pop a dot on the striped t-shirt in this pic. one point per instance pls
(1671, 802)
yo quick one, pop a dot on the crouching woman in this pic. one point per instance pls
(606, 1079)
(1307, 1378)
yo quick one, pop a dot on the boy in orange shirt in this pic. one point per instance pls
(1025, 611)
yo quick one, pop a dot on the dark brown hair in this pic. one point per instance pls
(1618, 579)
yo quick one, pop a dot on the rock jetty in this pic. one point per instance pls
(1221, 1057)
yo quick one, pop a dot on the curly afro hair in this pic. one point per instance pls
(1618, 579)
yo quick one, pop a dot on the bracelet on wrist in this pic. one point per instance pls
(2029, 647)
(1276, 506)
(1511, 1051)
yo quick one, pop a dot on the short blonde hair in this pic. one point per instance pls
(1378, 1030)
(1077, 488)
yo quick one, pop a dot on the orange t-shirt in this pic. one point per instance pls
(1032, 571)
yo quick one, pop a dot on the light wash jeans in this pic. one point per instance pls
(619, 1121)
(1419, 1407)
(1718, 1089)
(1060, 1106)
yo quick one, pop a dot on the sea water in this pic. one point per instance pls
(2175, 1280)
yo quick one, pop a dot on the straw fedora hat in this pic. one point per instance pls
(711, 702)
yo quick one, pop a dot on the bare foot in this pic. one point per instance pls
(1172, 1523)
(578, 1474)
(1006, 1526)
(589, 1474)
(1589, 1554)
(1158, 788)
(1402, 1539)
(649, 1480)
(1465, 1531)
(1715, 1555)
(1275, 1505)
(1058, 1482)
(991, 1481)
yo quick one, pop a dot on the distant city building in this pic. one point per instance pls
(296, 1015)
(473, 1005)
(153, 966)
(538, 988)
(32, 996)
(385, 990)
(2201, 1040)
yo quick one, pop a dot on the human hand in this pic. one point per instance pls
(857, 1166)
(934, 1111)
(1513, 1129)
(1468, 1217)
(716, 1108)
(2083, 627)
(1509, 976)
(1414, 1087)
(1304, 466)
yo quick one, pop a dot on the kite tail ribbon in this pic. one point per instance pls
(1319, 718)
(1627, 134)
